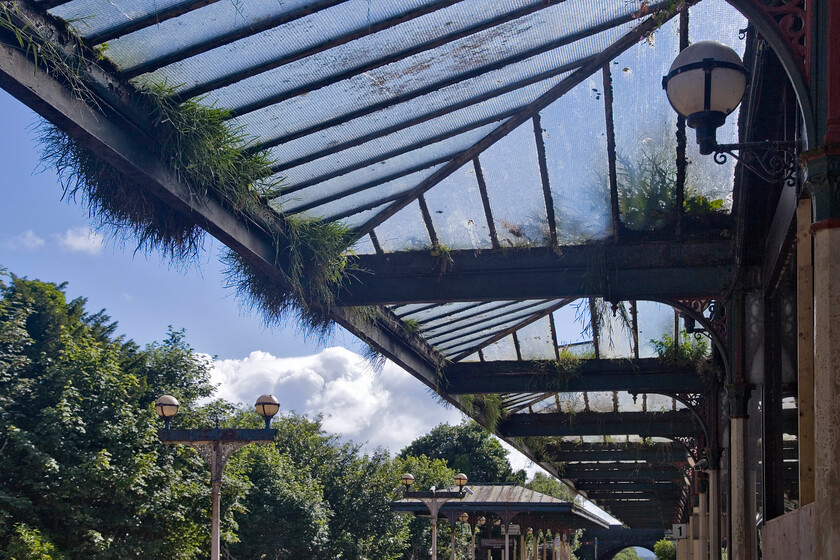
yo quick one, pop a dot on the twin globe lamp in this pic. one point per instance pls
(167, 407)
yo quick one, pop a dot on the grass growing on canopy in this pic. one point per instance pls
(213, 161)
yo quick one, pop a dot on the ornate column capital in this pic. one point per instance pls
(821, 172)
(738, 395)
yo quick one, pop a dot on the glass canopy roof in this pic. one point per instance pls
(443, 125)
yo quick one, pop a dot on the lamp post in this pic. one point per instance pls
(705, 84)
(434, 499)
(216, 445)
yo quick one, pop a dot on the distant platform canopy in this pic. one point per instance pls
(511, 504)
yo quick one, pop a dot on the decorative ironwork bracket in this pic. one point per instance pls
(772, 161)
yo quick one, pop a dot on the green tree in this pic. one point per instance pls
(665, 550)
(551, 486)
(627, 554)
(81, 471)
(467, 448)
(357, 489)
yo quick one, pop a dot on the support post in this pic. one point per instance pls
(822, 169)
(703, 522)
(741, 526)
(216, 467)
(714, 514)
(805, 350)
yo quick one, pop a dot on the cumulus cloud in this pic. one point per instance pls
(388, 408)
(81, 240)
(26, 241)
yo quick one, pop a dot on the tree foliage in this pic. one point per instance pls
(467, 448)
(665, 550)
(627, 554)
(81, 471)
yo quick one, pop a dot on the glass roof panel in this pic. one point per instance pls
(646, 144)
(655, 321)
(574, 133)
(426, 315)
(429, 123)
(225, 17)
(336, 199)
(455, 313)
(364, 246)
(404, 230)
(535, 341)
(512, 175)
(457, 211)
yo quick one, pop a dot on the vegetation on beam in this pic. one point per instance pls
(213, 161)
(487, 408)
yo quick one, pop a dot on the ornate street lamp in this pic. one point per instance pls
(434, 499)
(705, 83)
(216, 445)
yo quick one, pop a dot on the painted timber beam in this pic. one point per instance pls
(637, 271)
(646, 424)
(647, 375)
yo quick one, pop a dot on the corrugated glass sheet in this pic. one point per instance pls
(426, 124)
(359, 218)
(430, 316)
(423, 156)
(229, 16)
(334, 198)
(418, 88)
(478, 318)
(366, 53)
(457, 212)
(92, 17)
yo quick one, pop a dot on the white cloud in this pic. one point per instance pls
(81, 240)
(389, 408)
(26, 241)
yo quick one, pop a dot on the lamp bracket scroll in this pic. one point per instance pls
(772, 161)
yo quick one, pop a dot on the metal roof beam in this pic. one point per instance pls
(621, 472)
(652, 453)
(647, 424)
(648, 375)
(642, 271)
